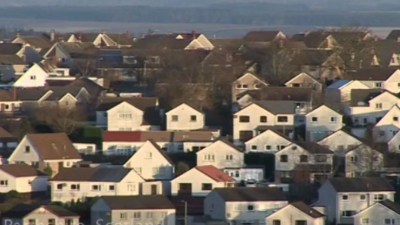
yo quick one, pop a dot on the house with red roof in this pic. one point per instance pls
(199, 181)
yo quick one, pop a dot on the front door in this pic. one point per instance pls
(154, 189)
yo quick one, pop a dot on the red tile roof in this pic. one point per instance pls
(215, 174)
(122, 136)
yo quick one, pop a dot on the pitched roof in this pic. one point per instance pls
(5, 134)
(338, 84)
(314, 57)
(361, 97)
(373, 74)
(121, 39)
(251, 194)
(9, 48)
(93, 88)
(138, 202)
(361, 184)
(307, 209)
(158, 136)
(22, 210)
(59, 92)
(393, 35)
(11, 60)
(37, 41)
(88, 174)
(162, 152)
(53, 146)
(214, 173)
(263, 36)
(143, 103)
(122, 136)
(281, 94)
(21, 170)
(391, 205)
(313, 147)
(161, 42)
(271, 107)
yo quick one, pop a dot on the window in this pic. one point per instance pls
(237, 174)
(124, 115)
(257, 86)
(250, 207)
(31, 222)
(395, 119)
(105, 114)
(345, 197)
(123, 216)
(193, 118)
(148, 155)
(254, 147)
(75, 187)
(378, 106)
(149, 215)
(314, 119)
(68, 222)
(206, 187)
(27, 149)
(245, 86)
(389, 221)
(4, 183)
(51, 222)
(239, 86)
(33, 77)
(276, 222)
(348, 213)
(209, 157)
(111, 188)
(174, 118)
(229, 157)
(280, 147)
(286, 174)
(364, 221)
(320, 158)
(263, 119)
(244, 119)
(303, 158)
(96, 187)
(378, 84)
(35, 164)
(379, 197)
(333, 119)
(136, 215)
(362, 197)
(284, 158)
(381, 133)
(268, 147)
(282, 119)
(300, 222)
(353, 159)
(60, 186)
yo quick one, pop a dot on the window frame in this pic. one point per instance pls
(244, 119)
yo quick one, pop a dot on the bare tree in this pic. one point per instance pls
(279, 66)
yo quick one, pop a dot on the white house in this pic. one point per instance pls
(340, 91)
(303, 161)
(247, 82)
(322, 122)
(185, 117)
(379, 77)
(340, 142)
(51, 150)
(243, 204)
(383, 212)
(220, 154)
(387, 127)
(35, 76)
(269, 141)
(200, 180)
(362, 160)
(78, 183)
(296, 213)
(345, 197)
(304, 80)
(152, 209)
(21, 178)
(151, 162)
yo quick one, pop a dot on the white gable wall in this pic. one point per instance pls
(33, 77)
(295, 215)
(339, 142)
(266, 142)
(388, 126)
(221, 156)
(328, 121)
(124, 117)
(20, 155)
(376, 214)
(185, 122)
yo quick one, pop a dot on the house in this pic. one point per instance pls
(243, 204)
(379, 77)
(345, 197)
(39, 214)
(269, 141)
(388, 126)
(151, 162)
(21, 178)
(220, 154)
(368, 106)
(383, 212)
(200, 38)
(247, 82)
(248, 173)
(126, 114)
(154, 209)
(264, 36)
(394, 35)
(200, 180)
(296, 213)
(363, 159)
(127, 142)
(35, 76)
(321, 122)
(10, 65)
(172, 42)
(306, 81)
(79, 183)
(394, 143)
(7, 141)
(46, 151)
(340, 91)
(32, 47)
(185, 117)
(340, 142)
(303, 162)
(102, 39)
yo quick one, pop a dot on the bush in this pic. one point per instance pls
(181, 168)
(12, 195)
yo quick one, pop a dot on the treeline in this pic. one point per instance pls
(211, 15)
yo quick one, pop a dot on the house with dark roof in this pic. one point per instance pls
(78, 183)
(345, 197)
(300, 213)
(153, 209)
(221, 154)
(383, 212)
(32, 47)
(22, 178)
(306, 81)
(243, 204)
(340, 90)
(35, 76)
(269, 141)
(247, 82)
(303, 162)
(51, 150)
(39, 214)
(128, 114)
(388, 126)
(378, 77)
(264, 36)
(7, 140)
(394, 35)
(200, 181)
(364, 159)
(185, 117)
(340, 142)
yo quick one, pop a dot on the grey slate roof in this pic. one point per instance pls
(261, 36)
(361, 97)
(307, 209)
(391, 205)
(250, 194)
(11, 60)
(21, 170)
(274, 108)
(9, 48)
(393, 35)
(60, 92)
(373, 74)
(138, 202)
(361, 184)
(22, 210)
(103, 174)
(30, 94)
(281, 94)
(313, 147)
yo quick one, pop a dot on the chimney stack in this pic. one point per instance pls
(128, 33)
(194, 34)
(52, 35)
